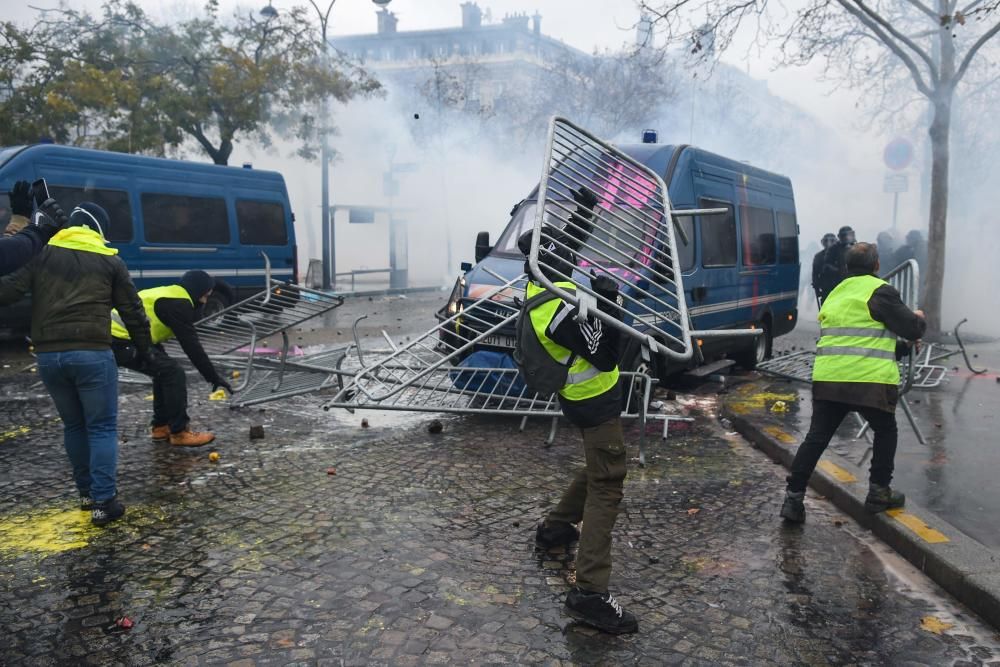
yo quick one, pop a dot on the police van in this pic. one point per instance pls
(167, 217)
(740, 269)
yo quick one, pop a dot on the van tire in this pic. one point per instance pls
(220, 299)
(758, 351)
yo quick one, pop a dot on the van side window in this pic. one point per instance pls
(718, 235)
(261, 222)
(788, 238)
(115, 202)
(185, 219)
(759, 245)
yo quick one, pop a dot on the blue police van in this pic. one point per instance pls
(740, 269)
(167, 217)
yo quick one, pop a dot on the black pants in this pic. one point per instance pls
(169, 385)
(826, 418)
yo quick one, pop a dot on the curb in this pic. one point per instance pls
(966, 569)
(391, 292)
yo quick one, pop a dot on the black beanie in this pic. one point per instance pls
(89, 214)
(197, 283)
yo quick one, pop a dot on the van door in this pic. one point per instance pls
(712, 288)
(758, 257)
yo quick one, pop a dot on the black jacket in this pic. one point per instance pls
(834, 267)
(598, 344)
(179, 315)
(885, 306)
(72, 294)
(818, 269)
(19, 249)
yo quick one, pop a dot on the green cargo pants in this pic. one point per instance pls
(594, 496)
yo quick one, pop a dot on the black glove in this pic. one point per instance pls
(219, 382)
(585, 197)
(54, 218)
(605, 286)
(20, 199)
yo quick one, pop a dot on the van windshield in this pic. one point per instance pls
(623, 248)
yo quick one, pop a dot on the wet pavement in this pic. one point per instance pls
(954, 474)
(417, 550)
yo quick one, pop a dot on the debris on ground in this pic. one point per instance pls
(364, 422)
(125, 623)
(435, 427)
(217, 395)
(331, 471)
(257, 432)
(213, 457)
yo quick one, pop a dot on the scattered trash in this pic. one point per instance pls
(671, 395)
(331, 471)
(653, 560)
(779, 406)
(364, 421)
(435, 427)
(656, 405)
(693, 510)
(517, 524)
(217, 395)
(213, 457)
(257, 432)
(236, 374)
(125, 623)
(935, 625)
(838, 523)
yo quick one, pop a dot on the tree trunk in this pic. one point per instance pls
(940, 132)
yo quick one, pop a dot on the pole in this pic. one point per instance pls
(329, 240)
(895, 208)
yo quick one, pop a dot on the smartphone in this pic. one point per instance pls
(40, 191)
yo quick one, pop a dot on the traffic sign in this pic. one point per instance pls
(898, 154)
(896, 183)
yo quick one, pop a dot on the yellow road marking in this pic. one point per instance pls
(925, 532)
(780, 435)
(838, 473)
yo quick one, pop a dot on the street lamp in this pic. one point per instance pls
(329, 240)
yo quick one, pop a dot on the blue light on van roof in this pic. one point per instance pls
(649, 136)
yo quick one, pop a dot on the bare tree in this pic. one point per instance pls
(869, 44)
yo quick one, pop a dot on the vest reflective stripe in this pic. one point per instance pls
(854, 347)
(159, 331)
(584, 380)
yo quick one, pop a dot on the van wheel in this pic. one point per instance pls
(216, 303)
(758, 351)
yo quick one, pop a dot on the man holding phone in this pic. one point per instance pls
(18, 249)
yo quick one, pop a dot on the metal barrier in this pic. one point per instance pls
(628, 234)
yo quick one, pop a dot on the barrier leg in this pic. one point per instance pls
(913, 422)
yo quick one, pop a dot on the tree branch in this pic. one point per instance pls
(890, 43)
(974, 49)
(926, 10)
(913, 46)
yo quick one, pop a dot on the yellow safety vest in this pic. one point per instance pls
(854, 347)
(584, 380)
(157, 329)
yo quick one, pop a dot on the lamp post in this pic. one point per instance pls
(329, 254)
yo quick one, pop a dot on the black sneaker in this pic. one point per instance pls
(106, 511)
(882, 498)
(556, 535)
(601, 611)
(86, 503)
(793, 509)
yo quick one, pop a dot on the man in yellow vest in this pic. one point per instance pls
(856, 370)
(171, 313)
(592, 401)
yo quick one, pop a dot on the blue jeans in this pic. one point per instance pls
(84, 387)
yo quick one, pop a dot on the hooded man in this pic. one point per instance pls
(834, 262)
(818, 260)
(171, 311)
(74, 283)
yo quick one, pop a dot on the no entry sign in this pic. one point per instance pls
(898, 154)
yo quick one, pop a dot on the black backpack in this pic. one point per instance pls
(543, 374)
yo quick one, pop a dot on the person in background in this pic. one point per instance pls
(834, 266)
(856, 370)
(74, 283)
(22, 240)
(817, 269)
(886, 243)
(171, 311)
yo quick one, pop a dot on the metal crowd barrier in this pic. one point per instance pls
(632, 240)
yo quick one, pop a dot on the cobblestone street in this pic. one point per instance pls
(418, 550)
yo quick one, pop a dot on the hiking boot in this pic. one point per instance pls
(160, 433)
(189, 438)
(556, 535)
(793, 509)
(86, 503)
(601, 611)
(882, 498)
(106, 511)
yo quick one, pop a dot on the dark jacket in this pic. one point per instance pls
(179, 315)
(834, 267)
(817, 272)
(599, 344)
(72, 294)
(19, 249)
(885, 306)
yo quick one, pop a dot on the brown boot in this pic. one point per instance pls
(160, 433)
(189, 438)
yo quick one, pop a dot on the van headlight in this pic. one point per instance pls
(457, 292)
